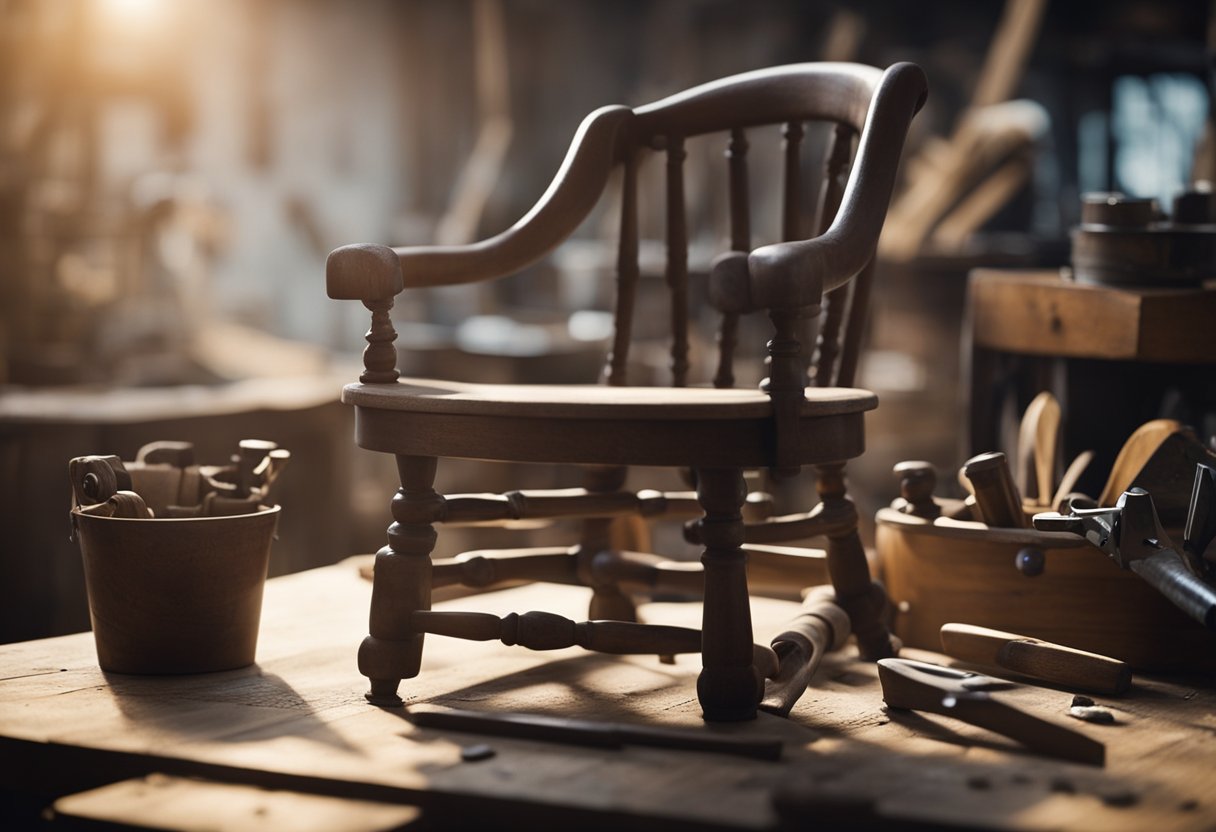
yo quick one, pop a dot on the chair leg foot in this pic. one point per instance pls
(383, 693)
(729, 688)
(729, 694)
(401, 584)
(385, 663)
(867, 618)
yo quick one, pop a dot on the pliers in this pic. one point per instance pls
(921, 686)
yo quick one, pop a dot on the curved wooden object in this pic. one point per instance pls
(878, 104)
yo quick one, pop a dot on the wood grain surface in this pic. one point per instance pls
(1039, 313)
(297, 720)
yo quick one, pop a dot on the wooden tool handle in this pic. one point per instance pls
(822, 626)
(96, 479)
(917, 479)
(822, 622)
(250, 453)
(1043, 660)
(996, 496)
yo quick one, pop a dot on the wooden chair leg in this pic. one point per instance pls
(401, 583)
(608, 601)
(729, 686)
(864, 600)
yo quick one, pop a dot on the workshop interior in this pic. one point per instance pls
(670, 414)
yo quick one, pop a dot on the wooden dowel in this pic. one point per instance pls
(677, 260)
(835, 176)
(486, 568)
(823, 520)
(538, 630)
(627, 272)
(547, 504)
(859, 305)
(791, 197)
(740, 240)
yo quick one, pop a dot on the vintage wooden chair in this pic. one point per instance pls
(716, 432)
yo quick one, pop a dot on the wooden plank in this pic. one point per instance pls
(178, 804)
(1038, 313)
(297, 720)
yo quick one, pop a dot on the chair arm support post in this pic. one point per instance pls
(785, 386)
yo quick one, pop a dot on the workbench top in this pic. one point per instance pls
(297, 720)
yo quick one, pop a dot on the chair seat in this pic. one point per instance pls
(594, 401)
(597, 424)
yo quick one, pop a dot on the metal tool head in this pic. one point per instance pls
(1097, 525)
(1128, 531)
(1054, 521)
(950, 678)
(1201, 514)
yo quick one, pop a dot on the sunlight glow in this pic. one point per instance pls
(139, 12)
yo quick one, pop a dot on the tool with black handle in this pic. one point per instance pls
(1131, 533)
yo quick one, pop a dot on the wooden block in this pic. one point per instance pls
(178, 804)
(1039, 313)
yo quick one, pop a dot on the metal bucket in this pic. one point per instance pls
(175, 595)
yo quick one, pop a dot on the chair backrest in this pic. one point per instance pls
(843, 95)
(870, 111)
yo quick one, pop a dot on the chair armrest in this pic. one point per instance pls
(796, 274)
(361, 272)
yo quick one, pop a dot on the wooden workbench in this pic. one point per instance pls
(297, 720)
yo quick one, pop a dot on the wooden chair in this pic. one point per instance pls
(716, 432)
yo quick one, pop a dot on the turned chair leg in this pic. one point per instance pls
(401, 583)
(608, 601)
(864, 600)
(729, 686)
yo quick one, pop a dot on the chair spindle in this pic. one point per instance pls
(740, 240)
(380, 356)
(791, 199)
(858, 307)
(627, 272)
(835, 178)
(677, 260)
